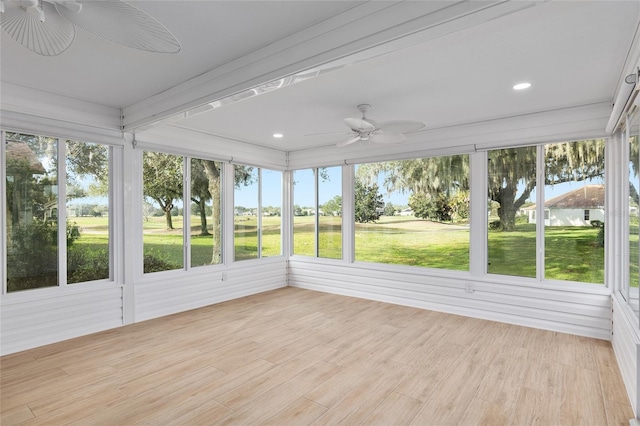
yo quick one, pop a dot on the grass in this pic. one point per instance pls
(572, 252)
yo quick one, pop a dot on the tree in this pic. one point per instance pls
(200, 192)
(368, 202)
(512, 173)
(243, 175)
(389, 209)
(162, 180)
(333, 206)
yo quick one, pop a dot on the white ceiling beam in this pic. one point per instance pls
(368, 30)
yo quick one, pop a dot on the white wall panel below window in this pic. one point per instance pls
(170, 295)
(626, 345)
(582, 313)
(31, 320)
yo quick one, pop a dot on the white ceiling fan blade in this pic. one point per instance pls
(48, 38)
(348, 141)
(401, 126)
(121, 23)
(358, 125)
(387, 138)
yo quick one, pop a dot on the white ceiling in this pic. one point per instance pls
(571, 52)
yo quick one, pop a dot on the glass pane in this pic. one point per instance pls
(245, 213)
(574, 211)
(206, 247)
(330, 212)
(32, 211)
(162, 222)
(511, 211)
(87, 212)
(271, 213)
(304, 225)
(634, 211)
(413, 212)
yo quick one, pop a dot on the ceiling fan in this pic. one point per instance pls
(389, 132)
(48, 27)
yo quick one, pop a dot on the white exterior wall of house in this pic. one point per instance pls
(573, 217)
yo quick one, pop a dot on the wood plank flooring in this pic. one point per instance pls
(298, 357)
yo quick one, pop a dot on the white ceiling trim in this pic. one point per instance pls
(370, 29)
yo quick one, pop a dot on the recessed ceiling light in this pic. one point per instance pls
(278, 135)
(521, 86)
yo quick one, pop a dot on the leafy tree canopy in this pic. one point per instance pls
(368, 202)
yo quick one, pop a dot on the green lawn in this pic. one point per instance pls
(572, 252)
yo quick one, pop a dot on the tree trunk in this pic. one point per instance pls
(213, 175)
(167, 216)
(203, 218)
(507, 210)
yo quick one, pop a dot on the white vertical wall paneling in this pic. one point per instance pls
(36, 319)
(626, 345)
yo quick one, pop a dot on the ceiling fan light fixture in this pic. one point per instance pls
(113, 20)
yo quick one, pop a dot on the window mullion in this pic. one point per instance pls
(316, 173)
(259, 213)
(62, 212)
(540, 211)
(186, 211)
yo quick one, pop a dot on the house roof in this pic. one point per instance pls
(586, 197)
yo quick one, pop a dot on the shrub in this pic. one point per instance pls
(33, 254)
(87, 265)
(495, 224)
(156, 262)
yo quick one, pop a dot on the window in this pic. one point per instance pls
(162, 221)
(511, 245)
(574, 196)
(329, 213)
(87, 207)
(246, 213)
(206, 201)
(46, 220)
(573, 206)
(413, 212)
(257, 213)
(32, 197)
(317, 212)
(271, 218)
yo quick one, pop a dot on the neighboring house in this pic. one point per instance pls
(406, 212)
(579, 207)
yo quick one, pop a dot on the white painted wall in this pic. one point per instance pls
(573, 217)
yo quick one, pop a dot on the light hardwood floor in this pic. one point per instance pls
(298, 357)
